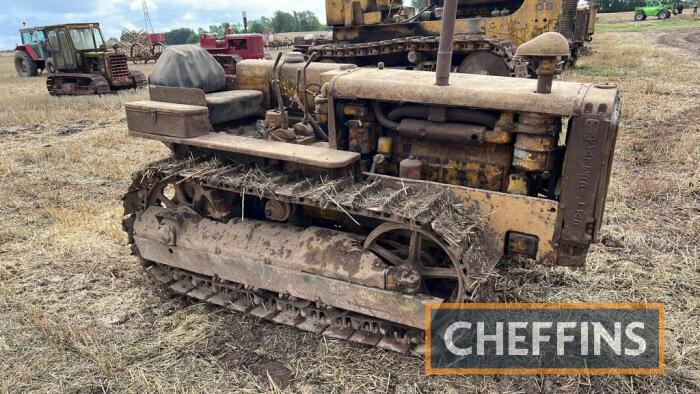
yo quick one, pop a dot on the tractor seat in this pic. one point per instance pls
(233, 105)
(188, 74)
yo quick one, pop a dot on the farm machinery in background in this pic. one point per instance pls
(31, 54)
(79, 63)
(657, 8)
(303, 43)
(142, 46)
(232, 48)
(487, 33)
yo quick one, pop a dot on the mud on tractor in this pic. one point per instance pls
(341, 200)
(30, 55)
(80, 64)
(487, 33)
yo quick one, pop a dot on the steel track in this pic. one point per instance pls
(464, 44)
(280, 308)
(99, 83)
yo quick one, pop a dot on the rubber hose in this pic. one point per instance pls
(383, 120)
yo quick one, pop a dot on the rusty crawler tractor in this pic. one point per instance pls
(341, 200)
(79, 63)
(487, 33)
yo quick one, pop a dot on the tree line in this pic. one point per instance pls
(281, 22)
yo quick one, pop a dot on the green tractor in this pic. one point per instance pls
(655, 8)
(80, 64)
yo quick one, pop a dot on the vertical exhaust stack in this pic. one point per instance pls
(447, 34)
(545, 48)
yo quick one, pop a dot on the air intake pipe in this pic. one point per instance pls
(447, 34)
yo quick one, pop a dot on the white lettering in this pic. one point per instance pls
(629, 332)
(562, 338)
(537, 338)
(449, 338)
(514, 339)
(614, 341)
(481, 338)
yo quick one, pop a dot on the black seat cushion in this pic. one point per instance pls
(234, 105)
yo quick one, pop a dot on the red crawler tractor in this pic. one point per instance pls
(232, 48)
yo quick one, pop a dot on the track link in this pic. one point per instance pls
(76, 84)
(464, 44)
(283, 309)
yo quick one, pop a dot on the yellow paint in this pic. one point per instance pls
(508, 212)
(517, 184)
(347, 13)
(384, 145)
(373, 17)
(533, 18)
(335, 12)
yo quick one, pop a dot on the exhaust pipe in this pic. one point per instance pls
(447, 35)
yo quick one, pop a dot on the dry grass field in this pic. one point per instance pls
(625, 21)
(621, 17)
(78, 314)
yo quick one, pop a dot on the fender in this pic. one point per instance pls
(29, 50)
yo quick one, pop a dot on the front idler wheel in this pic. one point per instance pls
(418, 250)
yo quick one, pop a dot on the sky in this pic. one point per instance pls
(113, 15)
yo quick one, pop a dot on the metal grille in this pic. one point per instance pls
(568, 17)
(118, 64)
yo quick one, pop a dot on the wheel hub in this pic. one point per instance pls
(484, 63)
(420, 253)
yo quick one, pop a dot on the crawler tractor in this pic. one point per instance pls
(342, 200)
(79, 63)
(487, 33)
(232, 48)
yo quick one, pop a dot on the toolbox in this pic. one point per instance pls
(176, 120)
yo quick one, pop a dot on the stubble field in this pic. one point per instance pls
(78, 314)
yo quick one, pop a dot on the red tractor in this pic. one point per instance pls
(31, 54)
(232, 48)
